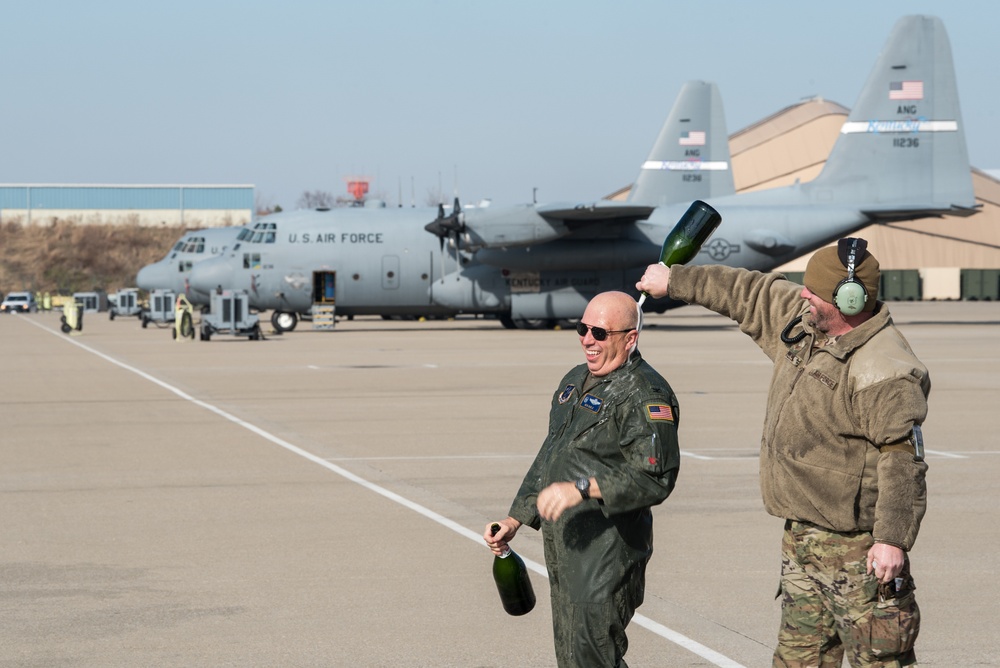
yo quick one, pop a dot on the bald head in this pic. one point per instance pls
(618, 307)
(615, 312)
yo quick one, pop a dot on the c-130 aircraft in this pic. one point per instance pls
(380, 261)
(901, 155)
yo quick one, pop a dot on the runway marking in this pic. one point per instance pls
(659, 629)
(684, 453)
(719, 458)
(425, 458)
(947, 455)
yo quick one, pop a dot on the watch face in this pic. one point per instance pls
(583, 484)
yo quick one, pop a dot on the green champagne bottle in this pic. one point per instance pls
(513, 583)
(691, 231)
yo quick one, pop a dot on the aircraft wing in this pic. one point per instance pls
(603, 211)
(531, 224)
(897, 213)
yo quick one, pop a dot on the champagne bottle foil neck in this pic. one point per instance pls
(506, 553)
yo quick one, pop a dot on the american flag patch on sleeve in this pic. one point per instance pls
(659, 412)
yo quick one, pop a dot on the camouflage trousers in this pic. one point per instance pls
(831, 607)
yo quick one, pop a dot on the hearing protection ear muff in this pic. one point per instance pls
(850, 294)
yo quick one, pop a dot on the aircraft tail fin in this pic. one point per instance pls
(903, 146)
(690, 159)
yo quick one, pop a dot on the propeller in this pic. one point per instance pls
(445, 226)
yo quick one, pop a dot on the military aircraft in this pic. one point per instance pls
(901, 155)
(174, 270)
(382, 261)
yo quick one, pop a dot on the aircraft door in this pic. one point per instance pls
(390, 272)
(325, 287)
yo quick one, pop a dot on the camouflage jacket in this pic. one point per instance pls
(835, 450)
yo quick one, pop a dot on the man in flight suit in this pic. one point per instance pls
(611, 453)
(841, 457)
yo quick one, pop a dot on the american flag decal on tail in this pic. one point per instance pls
(906, 90)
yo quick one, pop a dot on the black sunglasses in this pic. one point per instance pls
(599, 332)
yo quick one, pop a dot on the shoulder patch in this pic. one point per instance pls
(566, 393)
(659, 412)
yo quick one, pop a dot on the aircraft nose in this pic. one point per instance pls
(152, 277)
(209, 275)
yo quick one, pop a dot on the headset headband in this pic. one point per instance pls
(849, 250)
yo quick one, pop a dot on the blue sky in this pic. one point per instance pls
(420, 95)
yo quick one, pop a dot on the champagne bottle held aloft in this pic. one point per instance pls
(691, 231)
(511, 576)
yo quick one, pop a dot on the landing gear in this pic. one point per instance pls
(529, 323)
(284, 321)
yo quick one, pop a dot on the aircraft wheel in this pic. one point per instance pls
(535, 323)
(111, 314)
(507, 322)
(145, 322)
(283, 321)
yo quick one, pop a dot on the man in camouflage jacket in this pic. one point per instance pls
(841, 455)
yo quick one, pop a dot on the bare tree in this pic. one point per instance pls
(317, 199)
(263, 205)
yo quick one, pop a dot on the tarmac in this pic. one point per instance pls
(318, 498)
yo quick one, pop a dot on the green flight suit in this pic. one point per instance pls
(620, 429)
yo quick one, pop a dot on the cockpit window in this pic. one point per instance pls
(194, 245)
(264, 233)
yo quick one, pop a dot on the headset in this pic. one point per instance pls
(850, 295)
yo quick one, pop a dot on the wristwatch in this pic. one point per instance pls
(583, 486)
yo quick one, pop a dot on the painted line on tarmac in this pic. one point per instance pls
(719, 458)
(425, 458)
(947, 455)
(664, 632)
(684, 453)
